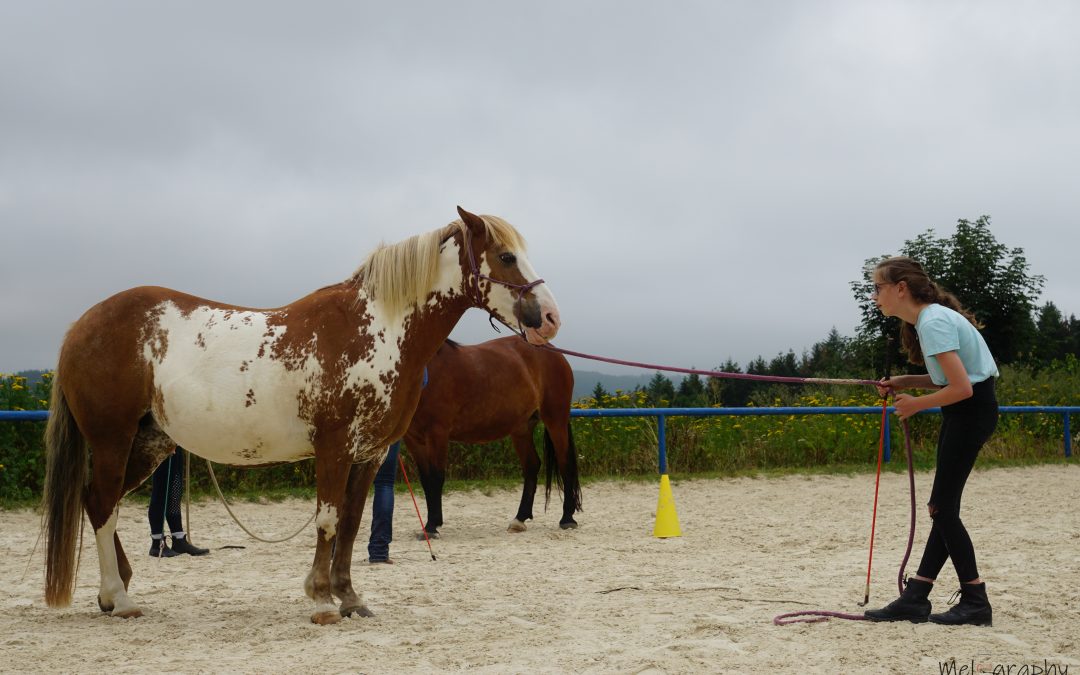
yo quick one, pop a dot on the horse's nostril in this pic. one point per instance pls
(550, 317)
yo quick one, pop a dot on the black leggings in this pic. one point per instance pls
(167, 490)
(965, 427)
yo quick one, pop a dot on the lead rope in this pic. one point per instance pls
(213, 479)
(814, 616)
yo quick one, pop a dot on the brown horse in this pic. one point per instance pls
(481, 393)
(335, 375)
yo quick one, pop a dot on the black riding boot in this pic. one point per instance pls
(182, 545)
(912, 605)
(158, 549)
(974, 608)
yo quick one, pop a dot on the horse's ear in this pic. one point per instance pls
(472, 221)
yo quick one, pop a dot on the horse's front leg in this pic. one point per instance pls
(360, 477)
(530, 469)
(332, 464)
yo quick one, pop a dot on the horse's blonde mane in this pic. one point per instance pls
(402, 274)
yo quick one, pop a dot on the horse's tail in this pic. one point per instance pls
(572, 484)
(66, 472)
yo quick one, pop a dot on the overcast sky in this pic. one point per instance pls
(697, 181)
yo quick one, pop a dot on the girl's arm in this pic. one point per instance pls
(908, 382)
(958, 388)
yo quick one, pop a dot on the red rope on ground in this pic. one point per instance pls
(416, 506)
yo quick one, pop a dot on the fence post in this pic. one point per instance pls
(1068, 434)
(888, 437)
(661, 436)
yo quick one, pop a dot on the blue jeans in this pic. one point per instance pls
(382, 507)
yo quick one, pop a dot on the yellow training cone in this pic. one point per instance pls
(667, 521)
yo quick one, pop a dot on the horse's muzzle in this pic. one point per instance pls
(541, 323)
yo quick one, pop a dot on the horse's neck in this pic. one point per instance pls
(429, 329)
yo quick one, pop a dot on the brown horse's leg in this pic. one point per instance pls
(332, 468)
(121, 561)
(559, 449)
(530, 470)
(360, 477)
(431, 458)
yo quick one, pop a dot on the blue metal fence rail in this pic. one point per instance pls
(661, 415)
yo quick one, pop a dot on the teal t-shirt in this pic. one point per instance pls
(943, 330)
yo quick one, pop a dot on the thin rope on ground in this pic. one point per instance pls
(213, 479)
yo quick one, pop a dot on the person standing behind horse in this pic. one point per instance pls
(166, 491)
(382, 502)
(938, 332)
(382, 508)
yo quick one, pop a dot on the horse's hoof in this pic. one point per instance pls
(516, 526)
(325, 618)
(132, 613)
(103, 607)
(359, 610)
(430, 535)
(569, 525)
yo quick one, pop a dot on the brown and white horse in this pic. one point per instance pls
(335, 375)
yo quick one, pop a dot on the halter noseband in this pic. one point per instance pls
(518, 290)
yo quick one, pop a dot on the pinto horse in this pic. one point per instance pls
(481, 393)
(335, 375)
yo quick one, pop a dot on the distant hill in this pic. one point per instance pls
(32, 376)
(585, 381)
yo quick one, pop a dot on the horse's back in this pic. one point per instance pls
(479, 393)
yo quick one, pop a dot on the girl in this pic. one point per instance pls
(938, 332)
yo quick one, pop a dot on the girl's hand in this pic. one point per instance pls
(886, 386)
(906, 405)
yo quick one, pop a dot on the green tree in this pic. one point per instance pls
(784, 365)
(660, 390)
(691, 393)
(1053, 339)
(728, 392)
(598, 394)
(991, 280)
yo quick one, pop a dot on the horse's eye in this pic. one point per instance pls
(508, 258)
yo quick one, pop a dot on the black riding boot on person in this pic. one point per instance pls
(913, 604)
(973, 609)
(165, 495)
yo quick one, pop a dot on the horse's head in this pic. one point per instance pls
(499, 278)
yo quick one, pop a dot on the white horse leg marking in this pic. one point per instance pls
(327, 520)
(112, 592)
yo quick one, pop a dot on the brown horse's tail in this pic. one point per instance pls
(571, 484)
(66, 472)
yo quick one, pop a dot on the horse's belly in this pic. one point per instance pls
(250, 432)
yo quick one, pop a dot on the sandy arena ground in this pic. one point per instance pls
(607, 597)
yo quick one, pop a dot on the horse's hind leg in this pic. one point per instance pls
(360, 477)
(431, 456)
(559, 442)
(102, 497)
(530, 470)
(123, 566)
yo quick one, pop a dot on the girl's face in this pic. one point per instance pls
(885, 294)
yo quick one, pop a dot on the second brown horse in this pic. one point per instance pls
(485, 392)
